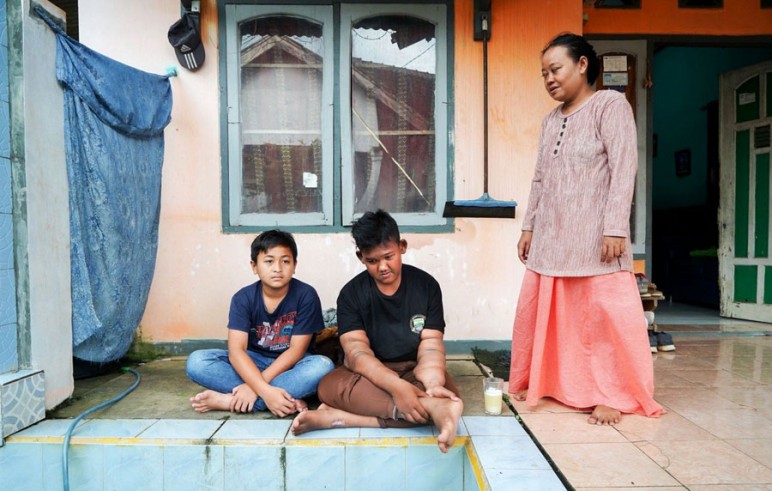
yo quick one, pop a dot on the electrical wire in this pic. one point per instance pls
(66, 444)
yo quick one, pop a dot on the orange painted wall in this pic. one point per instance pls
(736, 18)
(516, 96)
(198, 268)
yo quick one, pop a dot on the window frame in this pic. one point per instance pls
(338, 191)
(431, 13)
(234, 15)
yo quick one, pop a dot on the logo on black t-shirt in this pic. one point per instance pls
(417, 323)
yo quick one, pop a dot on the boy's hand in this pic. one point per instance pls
(243, 399)
(279, 401)
(440, 391)
(409, 407)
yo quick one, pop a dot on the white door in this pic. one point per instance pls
(745, 262)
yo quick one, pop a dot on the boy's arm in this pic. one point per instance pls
(297, 348)
(430, 369)
(277, 400)
(361, 359)
(242, 363)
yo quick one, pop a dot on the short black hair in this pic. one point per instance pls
(577, 46)
(373, 229)
(272, 238)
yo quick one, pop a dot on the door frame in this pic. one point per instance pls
(728, 82)
(641, 50)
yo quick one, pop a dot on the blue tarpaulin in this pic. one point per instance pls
(114, 117)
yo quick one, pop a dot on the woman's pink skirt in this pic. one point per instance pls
(583, 341)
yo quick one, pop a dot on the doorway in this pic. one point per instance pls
(686, 166)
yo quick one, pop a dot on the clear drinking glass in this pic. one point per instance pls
(493, 389)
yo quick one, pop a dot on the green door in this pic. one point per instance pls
(744, 252)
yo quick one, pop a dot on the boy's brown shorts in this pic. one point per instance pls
(353, 393)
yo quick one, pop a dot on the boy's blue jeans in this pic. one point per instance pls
(212, 369)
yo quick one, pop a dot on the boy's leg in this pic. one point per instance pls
(212, 369)
(353, 393)
(444, 413)
(337, 410)
(356, 401)
(303, 379)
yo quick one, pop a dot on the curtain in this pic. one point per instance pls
(114, 117)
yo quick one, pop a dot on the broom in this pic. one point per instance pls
(484, 206)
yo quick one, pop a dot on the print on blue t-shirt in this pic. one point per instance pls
(276, 336)
(300, 312)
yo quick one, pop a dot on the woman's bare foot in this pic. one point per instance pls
(210, 400)
(445, 414)
(326, 417)
(520, 395)
(604, 415)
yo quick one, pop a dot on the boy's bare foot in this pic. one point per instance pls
(326, 417)
(210, 400)
(300, 405)
(604, 415)
(445, 414)
(520, 395)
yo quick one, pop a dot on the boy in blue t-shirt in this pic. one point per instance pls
(271, 325)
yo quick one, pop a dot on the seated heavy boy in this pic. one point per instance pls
(391, 325)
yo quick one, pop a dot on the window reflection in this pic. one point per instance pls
(281, 134)
(393, 95)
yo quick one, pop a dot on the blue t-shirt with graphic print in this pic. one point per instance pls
(300, 312)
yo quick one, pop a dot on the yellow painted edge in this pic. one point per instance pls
(320, 442)
(474, 461)
(316, 442)
(244, 442)
(82, 440)
(372, 442)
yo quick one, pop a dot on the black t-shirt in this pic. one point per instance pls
(392, 322)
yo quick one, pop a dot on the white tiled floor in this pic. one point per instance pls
(717, 434)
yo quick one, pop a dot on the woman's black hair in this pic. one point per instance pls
(374, 229)
(577, 47)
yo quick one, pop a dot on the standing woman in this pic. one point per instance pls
(580, 333)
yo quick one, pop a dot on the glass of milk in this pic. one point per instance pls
(493, 388)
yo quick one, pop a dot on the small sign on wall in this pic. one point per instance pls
(614, 79)
(683, 162)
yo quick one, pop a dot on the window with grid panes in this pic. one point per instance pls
(334, 110)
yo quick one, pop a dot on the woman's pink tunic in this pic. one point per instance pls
(580, 334)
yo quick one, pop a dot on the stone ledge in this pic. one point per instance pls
(22, 401)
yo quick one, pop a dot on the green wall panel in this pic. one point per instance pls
(762, 206)
(747, 101)
(742, 197)
(768, 285)
(745, 283)
(679, 118)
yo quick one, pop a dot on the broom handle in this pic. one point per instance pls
(485, 103)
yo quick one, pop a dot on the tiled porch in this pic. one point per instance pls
(153, 440)
(716, 436)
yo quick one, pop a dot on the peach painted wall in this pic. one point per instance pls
(199, 268)
(736, 18)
